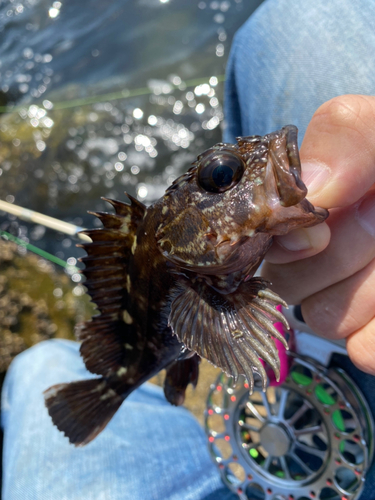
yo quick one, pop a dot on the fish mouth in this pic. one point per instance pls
(286, 166)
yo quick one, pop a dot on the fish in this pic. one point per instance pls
(174, 282)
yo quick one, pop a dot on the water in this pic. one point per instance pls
(108, 97)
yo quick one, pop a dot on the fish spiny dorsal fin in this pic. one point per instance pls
(138, 208)
(106, 335)
(109, 221)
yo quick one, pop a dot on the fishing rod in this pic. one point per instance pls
(44, 220)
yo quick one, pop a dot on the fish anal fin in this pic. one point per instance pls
(82, 409)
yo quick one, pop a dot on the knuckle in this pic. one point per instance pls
(356, 113)
(361, 352)
(340, 111)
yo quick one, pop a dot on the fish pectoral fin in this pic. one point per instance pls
(179, 375)
(231, 331)
(82, 409)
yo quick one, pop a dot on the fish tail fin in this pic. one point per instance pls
(82, 409)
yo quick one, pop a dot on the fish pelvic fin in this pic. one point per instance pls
(82, 409)
(179, 375)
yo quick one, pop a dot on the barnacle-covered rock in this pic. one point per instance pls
(36, 303)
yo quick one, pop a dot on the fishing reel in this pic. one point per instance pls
(309, 437)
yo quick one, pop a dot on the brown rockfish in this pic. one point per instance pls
(174, 282)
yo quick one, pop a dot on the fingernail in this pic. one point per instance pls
(316, 237)
(365, 214)
(295, 241)
(315, 175)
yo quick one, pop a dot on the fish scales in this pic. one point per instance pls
(175, 282)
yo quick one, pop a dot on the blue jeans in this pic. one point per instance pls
(290, 57)
(149, 450)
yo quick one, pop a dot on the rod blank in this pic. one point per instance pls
(44, 220)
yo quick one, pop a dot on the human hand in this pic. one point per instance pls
(330, 268)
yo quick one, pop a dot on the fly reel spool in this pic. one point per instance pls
(309, 438)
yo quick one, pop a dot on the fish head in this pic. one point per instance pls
(220, 216)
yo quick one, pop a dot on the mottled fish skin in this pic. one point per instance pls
(174, 281)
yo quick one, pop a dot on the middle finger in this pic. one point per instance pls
(351, 248)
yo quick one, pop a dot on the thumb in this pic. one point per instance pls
(338, 168)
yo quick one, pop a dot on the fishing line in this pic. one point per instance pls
(40, 252)
(112, 96)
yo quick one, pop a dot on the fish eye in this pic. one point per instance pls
(220, 171)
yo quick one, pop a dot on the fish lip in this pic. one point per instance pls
(286, 165)
(293, 154)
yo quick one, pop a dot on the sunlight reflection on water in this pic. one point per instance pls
(63, 147)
